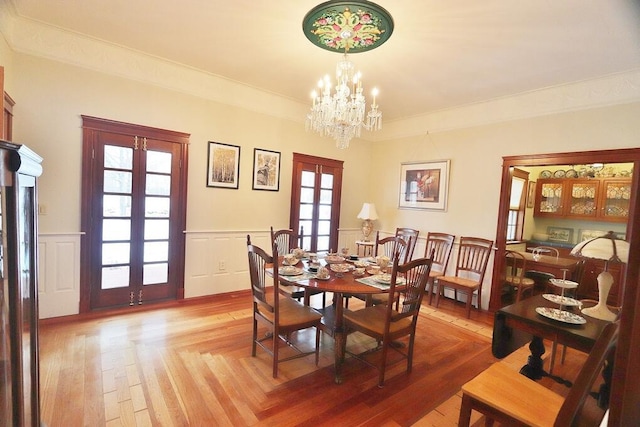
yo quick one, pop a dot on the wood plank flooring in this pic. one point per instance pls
(189, 364)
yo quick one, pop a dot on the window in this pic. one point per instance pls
(515, 218)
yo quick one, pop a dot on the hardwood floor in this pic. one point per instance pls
(190, 364)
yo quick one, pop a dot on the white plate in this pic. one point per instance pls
(323, 278)
(559, 299)
(341, 268)
(561, 283)
(334, 259)
(287, 262)
(383, 278)
(289, 271)
(561, 315)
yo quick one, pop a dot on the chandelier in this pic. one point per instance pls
(345, 27)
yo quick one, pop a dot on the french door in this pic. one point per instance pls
(315, 201)
(133, 215)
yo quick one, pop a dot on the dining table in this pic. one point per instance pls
(339, 284)
(550, 262)
(516, 324)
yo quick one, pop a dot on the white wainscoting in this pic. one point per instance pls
(215, 262)
(58, 274)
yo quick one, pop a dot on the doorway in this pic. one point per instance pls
(315, 201)
(549, 160)
(133, 215)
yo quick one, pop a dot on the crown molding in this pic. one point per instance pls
(40, 40)
(615, 89)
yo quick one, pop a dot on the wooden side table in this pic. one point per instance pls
(367, 247)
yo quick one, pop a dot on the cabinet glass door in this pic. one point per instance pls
(549, 199)
(5, 341)
(582, 198)
(615, 201)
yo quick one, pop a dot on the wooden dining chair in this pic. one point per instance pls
(281, 316)
(541, 278)
(471, 265)
(440, 245)
(409, 235)
(513, 276)
(392, 246)
(390, 322)
(504, 395)
(286, 240)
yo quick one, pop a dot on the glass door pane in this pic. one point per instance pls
(156, 221)
(116, 216)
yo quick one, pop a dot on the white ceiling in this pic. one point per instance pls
(442, 54)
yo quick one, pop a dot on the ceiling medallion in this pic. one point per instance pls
(344, 26)
(340, 110)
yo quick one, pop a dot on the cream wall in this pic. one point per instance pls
(476, 160)
(51, 95)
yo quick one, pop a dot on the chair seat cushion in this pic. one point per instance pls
(292, 313)
(373, 319)
(502, 387)
(458, 282)
(516, 280)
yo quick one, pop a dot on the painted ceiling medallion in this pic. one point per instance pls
(344, 26)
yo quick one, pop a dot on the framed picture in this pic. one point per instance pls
(424, 185)
(531, 194)
(560, 234)
(223, 167)
(266, 170)
(590, 234)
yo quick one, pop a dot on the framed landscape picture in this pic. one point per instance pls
(266, 170)
(560, 234)
(223, 166)
(424, 185)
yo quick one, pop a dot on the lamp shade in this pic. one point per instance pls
(368, 211)
(607, 248)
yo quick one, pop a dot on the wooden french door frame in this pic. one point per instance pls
(317, 165)
(93, 130)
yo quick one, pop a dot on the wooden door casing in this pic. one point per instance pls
(318, 165)
(99, 133)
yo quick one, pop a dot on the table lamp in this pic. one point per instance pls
(368, 214)
(610, 249)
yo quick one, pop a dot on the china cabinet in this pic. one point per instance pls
(598, 199)
(19, 382)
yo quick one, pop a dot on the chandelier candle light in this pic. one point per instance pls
(347, 27)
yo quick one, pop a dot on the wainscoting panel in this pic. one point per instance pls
(58, 274)
(216, 261)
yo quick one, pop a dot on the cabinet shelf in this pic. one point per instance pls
(599, 199)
